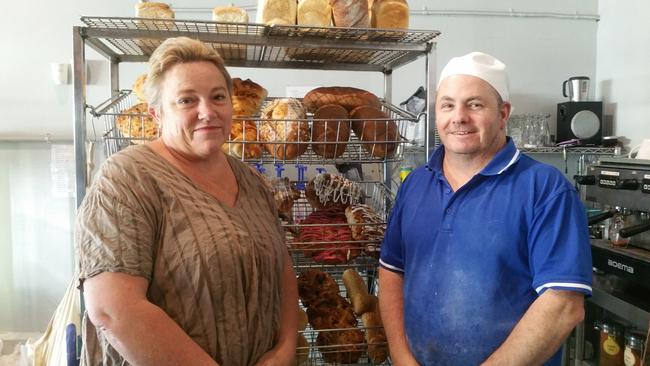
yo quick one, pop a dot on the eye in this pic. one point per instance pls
(475, 106)
(220, 97)
(184, 100)
(446, 106)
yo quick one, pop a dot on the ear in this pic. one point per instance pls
(154, 113)
(504, 113)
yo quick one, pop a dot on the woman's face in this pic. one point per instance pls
(195, 109)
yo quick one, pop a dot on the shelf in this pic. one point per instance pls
(259, 45)
(588, 150)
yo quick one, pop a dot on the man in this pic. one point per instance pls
(486, 258)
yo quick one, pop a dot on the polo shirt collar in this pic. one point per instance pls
(504, 159)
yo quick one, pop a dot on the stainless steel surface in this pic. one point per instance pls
(79, 113)
(133, 39)
(576, 88)
(637, 316)
(585, 150)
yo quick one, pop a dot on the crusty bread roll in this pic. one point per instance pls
(247, 97)
(331, 126)
(375, 335)
(153, 10)
(345, 96)
(244, 141)
(281, 12)
(379, 135)
(284, 129)
(357, 292)
(389, 14)
(350, 13)
(137, 124)
(229, 14)
(314, 13)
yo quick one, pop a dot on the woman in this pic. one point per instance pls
(182, 259)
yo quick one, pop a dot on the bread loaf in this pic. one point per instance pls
(379, 134)
(157, 11)
(281, 12)
(357, 292)
(332, 127)
(341, 346)
(138, 88)
(389, 14)
(314, 13)
(350, 13)
(367, 226)
(284, 128)
(136, 124)
(347, 97)
(153, 10)
(314, 285)
(229, 14)
(375, 336)
(247, 97)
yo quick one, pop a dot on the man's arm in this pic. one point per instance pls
(285, 350)
(139, 330)
(542, 330)
(391, 307)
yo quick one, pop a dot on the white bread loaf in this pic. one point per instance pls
(276, 12)
(153, 10)
(314, 13)
(350, 13)
(389, 14)
(229, 14)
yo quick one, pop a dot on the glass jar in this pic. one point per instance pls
(617, 223)
(633, 349)
(611, 345)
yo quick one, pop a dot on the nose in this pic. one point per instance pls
(206, 110)
(460, 114)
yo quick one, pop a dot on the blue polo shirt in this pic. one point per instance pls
(474, 260)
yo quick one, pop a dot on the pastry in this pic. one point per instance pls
(330, 237)
(247, 97)
(332, 192)
(331, 127)
(314, 284)
(138, 88)
(284, 128)
(136, 123)
(378, 133)
(341, 346)
(367, 226)
(243, 141)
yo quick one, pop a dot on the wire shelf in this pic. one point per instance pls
(259, 45)
(105, 118)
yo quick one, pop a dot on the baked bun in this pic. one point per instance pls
(367, 226)
(345, 96)
(138, 88)
(334, 192)
(243, 141)
(378, 133)
(137, 124)
(314, 13)
(350, 13)
(332, 127)
(247, 97)
(284, 129)
(389, 14)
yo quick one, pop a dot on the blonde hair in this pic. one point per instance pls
(174, 51)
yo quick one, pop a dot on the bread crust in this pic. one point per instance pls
(378, 133)
(345, 96)
(350, 13)
(284, 122)
(137, 124)
(330, 125)
(357, 291)
(389, 14)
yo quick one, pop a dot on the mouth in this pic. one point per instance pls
(206, 128)
(460, 133)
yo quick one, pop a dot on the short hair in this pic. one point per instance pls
(174, 51)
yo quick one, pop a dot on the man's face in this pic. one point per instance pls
(469, 120)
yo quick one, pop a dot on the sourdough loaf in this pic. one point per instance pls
(345, 96)
(350, 13)
(284, 128)
(331, 127)
(379, 134)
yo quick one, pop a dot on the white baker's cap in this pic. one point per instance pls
(482, 66)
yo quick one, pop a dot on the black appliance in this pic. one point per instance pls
(580, 120)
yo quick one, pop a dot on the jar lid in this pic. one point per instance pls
(634, 340)
(609, 328)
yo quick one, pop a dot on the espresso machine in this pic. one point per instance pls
(620, 188)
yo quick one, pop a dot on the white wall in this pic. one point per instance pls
(540, 53)
(623, 66)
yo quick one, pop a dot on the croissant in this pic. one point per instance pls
(243, 137)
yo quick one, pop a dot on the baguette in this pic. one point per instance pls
(347, 97)
(375, 336)
(357, 292)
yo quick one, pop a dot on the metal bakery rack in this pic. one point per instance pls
(262, 46)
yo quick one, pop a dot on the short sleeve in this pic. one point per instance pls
(392, 257)
(560, 252)
(115, 228)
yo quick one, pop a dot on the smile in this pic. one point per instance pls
(461, 133)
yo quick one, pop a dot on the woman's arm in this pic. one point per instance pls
(285, 350)
(139, 330)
